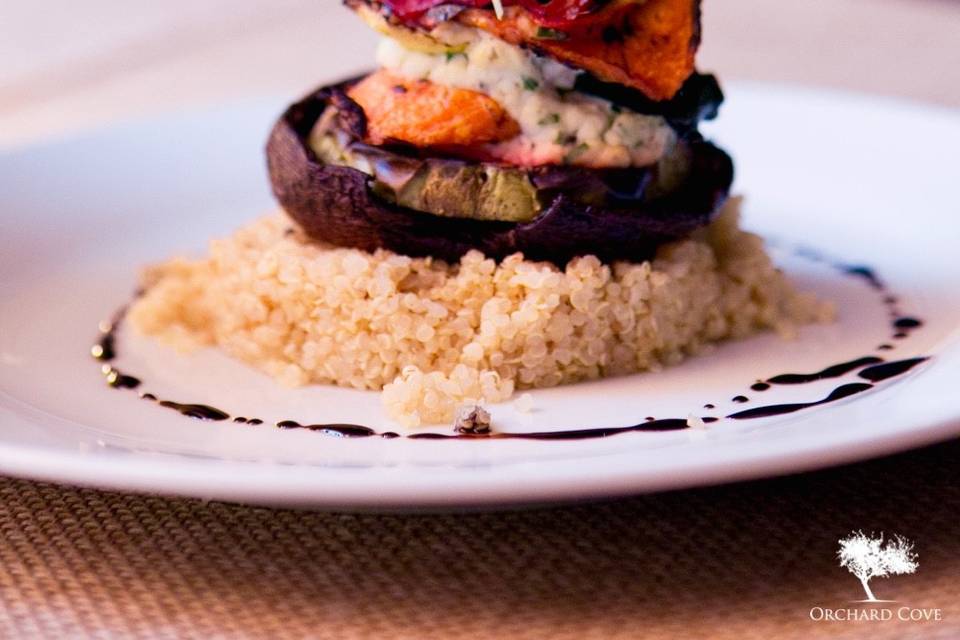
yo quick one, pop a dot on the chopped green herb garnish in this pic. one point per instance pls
(553, 118)
(546, 33)
(530, 84)
(453, 54)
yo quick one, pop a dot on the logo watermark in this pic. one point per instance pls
(869, 557)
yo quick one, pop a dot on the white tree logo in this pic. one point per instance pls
(868, 557)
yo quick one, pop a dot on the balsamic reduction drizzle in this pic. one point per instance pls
(881, 372)
(871, 368)
(834, 371)
(901, 324)
(198, 411)
(672, 424)
(907, 323)
(841, 392)
(119, 380)
(105, 349)
(339, 430)
(866, 273)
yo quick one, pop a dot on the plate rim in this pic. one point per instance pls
(411, 487)
(385, 488)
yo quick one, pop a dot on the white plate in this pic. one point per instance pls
(865, 180)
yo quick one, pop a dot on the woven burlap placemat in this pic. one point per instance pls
(741, 561)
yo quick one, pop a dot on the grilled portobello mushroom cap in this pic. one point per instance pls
(615, 214)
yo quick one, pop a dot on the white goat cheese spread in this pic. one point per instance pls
(559, 125)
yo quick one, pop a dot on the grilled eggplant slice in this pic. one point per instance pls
(485, 190)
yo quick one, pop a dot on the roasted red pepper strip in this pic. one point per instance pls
(553, 13)
(648, 45)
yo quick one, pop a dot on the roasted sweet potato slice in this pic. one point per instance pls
(649, 46)
(424, 114)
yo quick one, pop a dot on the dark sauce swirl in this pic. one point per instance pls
(872, 368)
(844, 391)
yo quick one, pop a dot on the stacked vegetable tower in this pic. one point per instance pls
(517, 198)
(554, 128)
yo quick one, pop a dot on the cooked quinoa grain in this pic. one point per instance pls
(435, 336)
